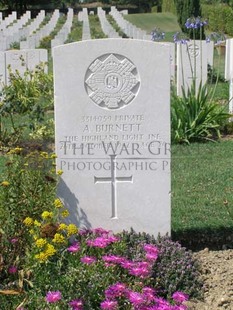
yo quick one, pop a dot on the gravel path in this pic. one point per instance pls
(217, 274)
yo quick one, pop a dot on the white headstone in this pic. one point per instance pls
(2, 70)
(191, 64)
(16, 59)
(229, 70)
(112, 112)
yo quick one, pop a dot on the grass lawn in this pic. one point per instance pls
(202, 179)
(167, 22)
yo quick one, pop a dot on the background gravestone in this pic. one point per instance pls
(112, 115)
(191, 64)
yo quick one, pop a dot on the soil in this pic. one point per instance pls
(217, 274)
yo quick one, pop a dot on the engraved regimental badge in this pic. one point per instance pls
(112, 81)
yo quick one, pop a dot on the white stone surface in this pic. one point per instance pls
(229, 70)
(191, 64)
(112, 112)
(2, 70)
(229, 59)
(24, 59)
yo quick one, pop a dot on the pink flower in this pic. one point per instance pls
(14, 240)
(116, 290)
(12, 269)
(53, 297)
(76, 304)
(109, 305)
(73, 248)
(136, 298)
(180, 297)
(100, 231)
(88, 260)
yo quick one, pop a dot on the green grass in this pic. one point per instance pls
(202, 180)
(95, 27)
(167, 22)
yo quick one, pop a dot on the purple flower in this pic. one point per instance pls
(76, 304)
(140, 269)
(99, 242)
(100, 231)
(109, 305)
(136, 298)
(179, 38)
(88, 260)
(180, 297)
(195, 23)
(53, 296)
(12, 269)
(73, 248)
(116, 290)
(114, 259)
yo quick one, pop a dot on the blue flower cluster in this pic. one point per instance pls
(179, 37)
(195, 23)
(157, 35)
(216, 37)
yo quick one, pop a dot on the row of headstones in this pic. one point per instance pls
(129, 29)
(107, 28)
(63, 33)
(83, 17)
(8, 20)
(20, 60)
(34, 39)
(13, 31)
(19, 30)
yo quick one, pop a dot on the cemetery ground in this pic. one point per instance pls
(202, 211)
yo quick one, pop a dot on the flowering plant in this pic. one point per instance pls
(195, 115)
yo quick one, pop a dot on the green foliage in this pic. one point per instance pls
(95, 28)
(174, 270)
(188, 9)
(76, 32)
(27, 187)
(195, 117)
(169, 6)
(28, 95)
(15, 45)
(45, 42)
(219, 18)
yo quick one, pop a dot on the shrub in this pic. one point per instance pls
(27, 187)
(27, 96)
(196, 117)
(174, 270)
(46, 42)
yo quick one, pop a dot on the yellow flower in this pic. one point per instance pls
(53, 156)
(42, 257)
(47, 215)
(62, 226)
(65, 213)
(50, 250)
(57, 203)
(58, 238)
(16, 150)
(31, 232)
(59, 172)
(36, 223)
(41, 242)
(28, 221)
(44, 155)
(5, 183)
(72, 229)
